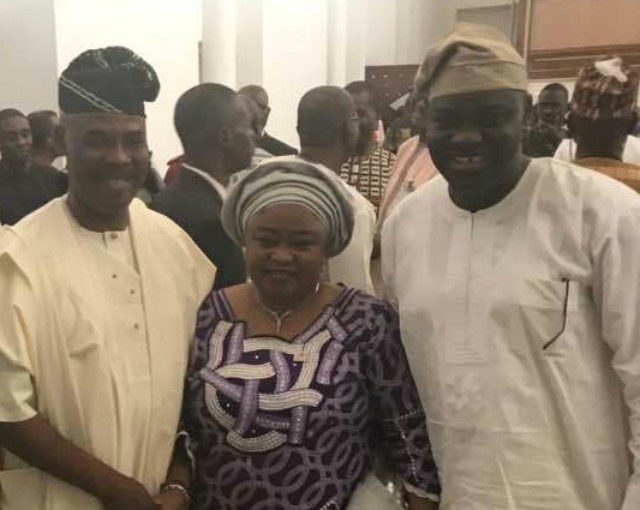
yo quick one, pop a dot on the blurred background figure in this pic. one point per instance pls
(547, 122)
(364, 97)
(24, 184)
(368, 170)
(328, 126)
(216, 129)
(152, 185)
(266, 142)
(553, 106)
(47, 137)
(401, 129)
(603, 114)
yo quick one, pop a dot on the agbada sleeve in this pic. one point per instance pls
(616, 258)
(19, 316)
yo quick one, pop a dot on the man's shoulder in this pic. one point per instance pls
(432, 191)
(35, 236)
(361, 204)
(187, 197)
(41, 221)
(573, 184)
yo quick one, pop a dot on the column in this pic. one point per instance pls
(219, 48)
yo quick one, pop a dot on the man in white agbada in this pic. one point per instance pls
(518, 287)
(97, 310)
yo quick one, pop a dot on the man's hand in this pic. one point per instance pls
(127, 494)
(172, 500)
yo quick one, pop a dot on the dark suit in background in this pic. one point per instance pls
(193, 203)
(22, 191)
(275, 147)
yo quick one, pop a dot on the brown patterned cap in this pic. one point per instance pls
(606, 89)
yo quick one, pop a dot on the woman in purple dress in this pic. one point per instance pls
(290, 376)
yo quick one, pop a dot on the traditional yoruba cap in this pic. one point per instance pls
(107, 80)
(606, 89)
(290, 180)
(472, 58)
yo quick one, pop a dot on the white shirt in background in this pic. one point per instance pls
(521, 324)
(567, 150)
(215, 184)
(352, 267)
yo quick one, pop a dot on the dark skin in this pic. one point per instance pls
(256, 117)
(552, 107)
(232, 148)
(363, 99)
(261, 99)
(475, 141)
(53, 146)
(108, 159)
(601, 138)
(368, 124)
(285, 253)
(39, 445)
(15, 142)
(335, 156)
(108, 162)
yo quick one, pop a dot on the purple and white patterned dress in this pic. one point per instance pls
(288, 425)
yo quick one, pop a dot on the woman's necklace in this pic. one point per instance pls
(278, 317)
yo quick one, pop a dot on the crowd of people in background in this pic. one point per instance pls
(447, 307)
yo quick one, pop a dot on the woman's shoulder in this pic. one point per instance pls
(220, 304)
(354, 300)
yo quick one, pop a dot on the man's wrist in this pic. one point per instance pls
(177, 487)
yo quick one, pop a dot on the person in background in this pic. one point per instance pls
(400, 130)
(291, 375)
(174, 166)
(547, 129)
(553, 106)
(362, 94)
(368, 170)
(216, 131)
(631, 153)
(328, 126)
(364, 97)
(257, 119)
(24, 184)
(266, 142)
(413, 166)
(603, 113)
(518, 289)
(97, 313)
(153, 184)
(47, 137)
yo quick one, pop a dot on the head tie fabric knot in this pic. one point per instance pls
(606, 89)
(107, 80)
(472, 58)
(290, 180)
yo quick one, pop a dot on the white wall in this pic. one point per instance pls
(294, 58)
(163, 32)
(28, 70)
(401, 31)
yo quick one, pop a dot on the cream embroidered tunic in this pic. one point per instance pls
(521, 323)
(95, 331)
